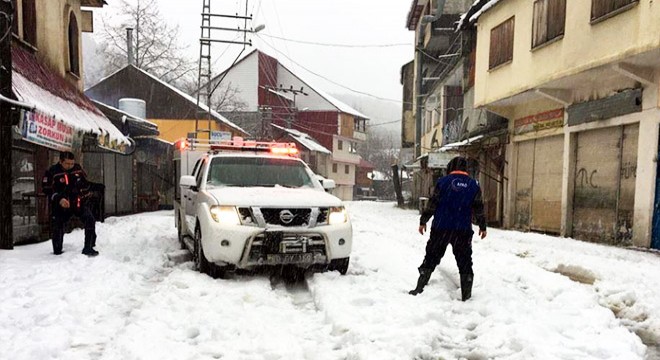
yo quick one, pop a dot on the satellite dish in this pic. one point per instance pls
(431, 102)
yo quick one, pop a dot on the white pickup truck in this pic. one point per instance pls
(242, 205)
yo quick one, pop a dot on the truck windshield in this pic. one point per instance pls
(258, 171)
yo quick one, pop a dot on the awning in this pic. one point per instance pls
(58, 105)
(460, 144)
(136, 126)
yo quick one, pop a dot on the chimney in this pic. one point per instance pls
(129, 46)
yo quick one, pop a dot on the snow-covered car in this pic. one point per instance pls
(250, 204)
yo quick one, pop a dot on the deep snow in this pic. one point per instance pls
(132, 302)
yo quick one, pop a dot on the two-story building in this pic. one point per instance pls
(579, 83)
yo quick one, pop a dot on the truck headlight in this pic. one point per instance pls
(337, 215)
(226, 215)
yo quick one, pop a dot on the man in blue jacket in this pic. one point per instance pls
(456, 199)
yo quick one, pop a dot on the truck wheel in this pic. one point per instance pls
(201, 264)
(340, 265)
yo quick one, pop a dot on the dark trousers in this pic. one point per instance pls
(61, 216)
(461, 244)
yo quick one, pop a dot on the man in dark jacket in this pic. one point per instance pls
(67, 188)
(456, 198)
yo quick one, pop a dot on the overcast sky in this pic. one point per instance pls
(374, 70)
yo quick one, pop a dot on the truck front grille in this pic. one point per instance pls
(286, 217)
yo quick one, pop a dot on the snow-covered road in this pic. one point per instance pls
(131, 302)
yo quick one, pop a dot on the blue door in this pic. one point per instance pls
(655, 242)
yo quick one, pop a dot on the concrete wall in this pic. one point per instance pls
(244, 78)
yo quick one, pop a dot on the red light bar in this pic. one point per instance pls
(182, 144)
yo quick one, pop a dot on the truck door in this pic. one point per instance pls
(189, 198)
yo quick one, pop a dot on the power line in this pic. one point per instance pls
(326, 79)
(385, 123)
(338, 45)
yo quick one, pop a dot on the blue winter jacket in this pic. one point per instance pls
(456, 198)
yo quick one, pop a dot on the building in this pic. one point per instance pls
(578, 82)
(171, 109)
(314, 154)
(444, 118)
(270, 93)
(53, 113)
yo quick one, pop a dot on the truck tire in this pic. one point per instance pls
(179, 233)
(201, 264)
(340, 265)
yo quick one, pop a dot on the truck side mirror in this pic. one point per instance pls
(328, 184)
(188, 181)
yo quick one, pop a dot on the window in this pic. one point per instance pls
(334, 168)
(353, 149)
(74, 64)
(340, 145)
(549, 21)
(347, 169)
(501, 44)
(603, 8)
(30, 22)
(14, 24)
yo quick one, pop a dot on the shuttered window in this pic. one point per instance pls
(549, 21)
(30, 22)
(501, 43)
(74, 60)
(603, 8)
(14, 24)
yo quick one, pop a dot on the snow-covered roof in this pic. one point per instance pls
(46, 91)
(304, 139)
(194, 101)
(339, 105)
(475, 11)
(129, 116)
(69, 113)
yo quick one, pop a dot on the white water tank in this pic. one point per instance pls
(135, 107)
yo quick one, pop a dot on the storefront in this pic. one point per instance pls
(53, 116)
(538, 173)
(604, 198)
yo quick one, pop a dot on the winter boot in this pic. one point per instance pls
(466, 286)
(88, 250)
(424, 277)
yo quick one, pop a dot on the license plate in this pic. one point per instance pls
(289, 258)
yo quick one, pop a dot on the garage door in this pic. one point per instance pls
(538, 184)
(605, 172)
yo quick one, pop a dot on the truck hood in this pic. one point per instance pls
(273, 197)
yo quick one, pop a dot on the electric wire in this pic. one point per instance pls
(337, 45)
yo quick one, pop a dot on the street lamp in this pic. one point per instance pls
(258, 28)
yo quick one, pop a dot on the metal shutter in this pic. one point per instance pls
(596, 184)
(524, 176)
(546, 190)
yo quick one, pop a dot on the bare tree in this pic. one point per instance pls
(155, 43)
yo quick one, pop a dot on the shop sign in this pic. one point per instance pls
(217, 136)
(541, 121)
(39, 128)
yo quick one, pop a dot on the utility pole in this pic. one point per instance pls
(293, 91)
(204, 77)
(6, 123)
